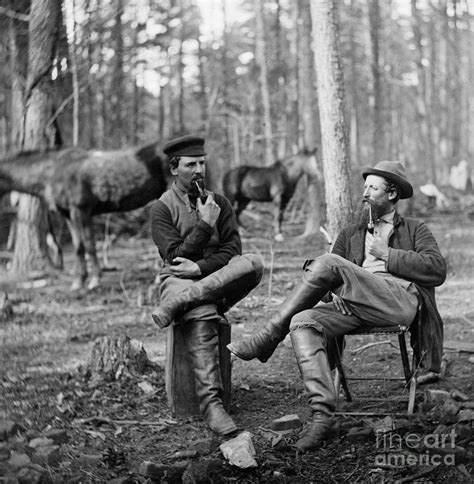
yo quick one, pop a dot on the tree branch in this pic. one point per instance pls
(15, 15)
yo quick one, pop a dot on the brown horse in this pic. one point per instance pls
(275, 183)
(79, 184)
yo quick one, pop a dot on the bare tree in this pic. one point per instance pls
(261, 57)
(331, 97)
(311, 129)
(378, 128)
(30, 249)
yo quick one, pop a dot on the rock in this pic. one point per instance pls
(459, 396)
(90, 459)
(287, 422)
(465, 415)
(160, 472)
(382, 425)
(437, 396)
(463, 431)
(49, 455)
(146, 388)
(240, 451)
(459, 453)
(184, 454)
(441, 429)
(40, 442)
(32, 475)
(122, 480)
(200, 471)
(359, 434)
(58, 436)
(449, 411)
(404, 426)
(8, 428)
(19, 460)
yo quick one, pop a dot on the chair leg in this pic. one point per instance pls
(412, 393)
(340, 377)
(404, 355)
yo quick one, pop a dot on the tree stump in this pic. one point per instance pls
(179, 379)
(112, 357)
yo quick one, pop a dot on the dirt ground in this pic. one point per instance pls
(112, 428)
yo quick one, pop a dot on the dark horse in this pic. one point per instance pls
(275, 183)
(79, 184)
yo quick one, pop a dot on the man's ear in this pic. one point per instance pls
(174, 171)
(392, 194)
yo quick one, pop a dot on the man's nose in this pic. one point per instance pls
(365, 193)
(199, 168)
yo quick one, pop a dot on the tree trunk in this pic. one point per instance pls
(118, 107)
(331, 97)
(311, 130)
(31, 250)
(18, 56)
(111, 358)
(422, 107)
(71, 40)
(261, 57)
(378, 132)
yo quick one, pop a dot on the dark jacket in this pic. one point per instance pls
(178, 232)
(413, 255)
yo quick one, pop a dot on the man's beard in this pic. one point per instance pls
(193, 191)
(370, 212)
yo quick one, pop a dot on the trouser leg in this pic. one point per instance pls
(318, 278)
(202, 342)
(310, 351)
(227, 286)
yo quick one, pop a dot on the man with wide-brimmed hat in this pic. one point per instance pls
(204, 271)
(378, 271)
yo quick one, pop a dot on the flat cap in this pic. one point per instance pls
(188, 145)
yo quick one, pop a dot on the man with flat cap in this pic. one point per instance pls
(204, 272)
(378, 271)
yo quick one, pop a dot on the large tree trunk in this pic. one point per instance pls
(311, 129)
(378, 128)
(331, 97)
(261, 57)
(31, 250)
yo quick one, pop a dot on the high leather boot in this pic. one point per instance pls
(225, 287)
(317, 281)
(202, 342)
(310, 352)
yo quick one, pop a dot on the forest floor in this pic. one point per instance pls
(105, 433)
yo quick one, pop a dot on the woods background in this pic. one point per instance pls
(244, 74)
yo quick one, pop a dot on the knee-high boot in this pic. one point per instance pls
(317, 281)
(310, 351)
(202, 342)
(227, 285)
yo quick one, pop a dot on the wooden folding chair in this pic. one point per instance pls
(409, 371)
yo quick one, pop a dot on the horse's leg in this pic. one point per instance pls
(241, 204)
(278, 217)
(91, 253)
(74, 224)
(53, 245)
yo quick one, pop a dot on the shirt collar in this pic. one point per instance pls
(182, 194)
(387, 218)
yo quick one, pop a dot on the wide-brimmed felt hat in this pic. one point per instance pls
(188, 145)
(395, 172)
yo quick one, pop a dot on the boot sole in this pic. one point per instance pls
(263, 359)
